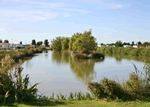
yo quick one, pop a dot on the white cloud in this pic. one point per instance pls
(29, 15)
(77, 10)
(113, 6)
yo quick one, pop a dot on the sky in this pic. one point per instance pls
(110, 20)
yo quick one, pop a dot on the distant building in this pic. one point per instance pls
(125, 46)
(135, 46)
(100, 45)
(4, 45)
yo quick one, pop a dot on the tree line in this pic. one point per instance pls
(46, 43)
(120, 43)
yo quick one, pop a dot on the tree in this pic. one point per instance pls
(73, 39)
(6, 41)
(1, 41)
(146, 43)
(33, 42)
(56, 44)
(46, 42)
(118, 44)
(132, 43)
(21, 42)
(139, 43)
(102, 44)
(65, 44)
(84, 42)
(39, 43)
(126, 43)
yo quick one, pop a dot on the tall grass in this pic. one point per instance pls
(122, 50)
(137, 87)
(13, 86)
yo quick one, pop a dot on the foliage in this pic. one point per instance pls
(65, 44)
(126, 43)
(137, 87)
(33, 42)
(20, 42)
(132, 43)
(13, 87)
(6, 41)
(73, 39)
(1, 41)
(118, 44)
(56, 44)
(46, 42)
(97, 55)
(80, 56)
(127, 51)
(84, 43)
(39, 43)
(139, 43)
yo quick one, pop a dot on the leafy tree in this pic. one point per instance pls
(65, 44)
(73, 39)
(46, 43)
(146, 43)
(84, 42)
(6, 41)
(102, 44)
(1, 41)
(56, 44)
(21, 42)
(132, 43)
(33, 42)
(118, 44)
(39, 43)
(126, 43)
(139, 43)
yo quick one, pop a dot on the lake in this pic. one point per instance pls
(58, 72)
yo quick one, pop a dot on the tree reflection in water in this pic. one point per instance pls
(82, 68)
(56, 57)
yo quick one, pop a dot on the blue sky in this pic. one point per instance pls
(110, 20)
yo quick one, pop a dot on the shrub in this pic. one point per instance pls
(97, 55)
(80, 56)
(137, 87)
(13, 87)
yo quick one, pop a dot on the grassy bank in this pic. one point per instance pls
(125, 51)
(81, 103)
(20, 53)
(136, 88)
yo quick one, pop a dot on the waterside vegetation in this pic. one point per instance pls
(125, 51)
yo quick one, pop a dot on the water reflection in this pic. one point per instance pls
(56, 57)
(84, 69)
(60, 57)
(29, 64)
(119, 58)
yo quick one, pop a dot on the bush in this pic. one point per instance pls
(107, 89)
(137, 87)
(13, 87)
(97, 55)
(80, 56)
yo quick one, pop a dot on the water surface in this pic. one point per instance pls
(58, 72)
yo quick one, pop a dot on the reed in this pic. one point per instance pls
(13, 86)
(137, 87)
(126, 51)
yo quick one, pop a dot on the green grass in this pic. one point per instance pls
(80, 103)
